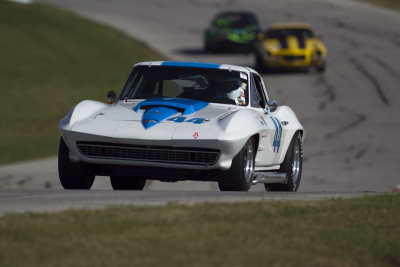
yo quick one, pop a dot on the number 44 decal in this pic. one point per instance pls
(181, 119)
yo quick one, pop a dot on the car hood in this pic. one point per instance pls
(241, 35)
(160, 122)
(289, 43)
(155, 111)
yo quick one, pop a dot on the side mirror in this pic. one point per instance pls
(272, 105)
(260, 36)
(112, 97)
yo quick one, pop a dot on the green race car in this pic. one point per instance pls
(232, 32)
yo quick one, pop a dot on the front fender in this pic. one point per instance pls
(81, 111)
(237, 128)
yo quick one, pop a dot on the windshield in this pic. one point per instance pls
(282, 33)
(208, 85)
(235, 20)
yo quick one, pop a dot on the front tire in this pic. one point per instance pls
(292, 165)
(73, 175)
(260, 65)
(240, 175)
(321, 67)
(127, 183)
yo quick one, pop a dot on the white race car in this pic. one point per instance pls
(176, 121)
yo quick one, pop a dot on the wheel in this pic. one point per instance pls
(260, 66)
(73, 175)
(292, 165)
(213, 48)
(206, 47)
(240, 175)
(127, 183)
(321, 67)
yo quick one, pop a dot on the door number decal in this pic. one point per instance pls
(181, 119)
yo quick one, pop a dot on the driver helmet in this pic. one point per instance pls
(229, 88)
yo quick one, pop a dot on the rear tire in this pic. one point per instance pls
(240, 175)
(292, 165)
(73, 175)
(127, 183)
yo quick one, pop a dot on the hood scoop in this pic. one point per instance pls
(155, 115)
(159, 109)
(187, 105)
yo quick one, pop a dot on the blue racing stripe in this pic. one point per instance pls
(274, 144)
(193, 64)
(279, 135)
(190, 106)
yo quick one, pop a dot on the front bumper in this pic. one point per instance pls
(189, 154)
(291, 60)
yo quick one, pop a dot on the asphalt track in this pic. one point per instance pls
(350, 112)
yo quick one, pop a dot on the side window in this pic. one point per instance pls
(259, 91)
(264, 89)
(255, 98)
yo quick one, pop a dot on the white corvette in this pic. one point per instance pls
(176, 121)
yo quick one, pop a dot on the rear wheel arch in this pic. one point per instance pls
(288, 139)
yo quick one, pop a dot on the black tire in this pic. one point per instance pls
(213, 48)
(127, 183)
(240, 175)
(292, 165)
(321, 67)
(206, 47)
(260, 66)
(73, 175)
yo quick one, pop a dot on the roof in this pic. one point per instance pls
(290, 25)
(236, 13)
(196, 64)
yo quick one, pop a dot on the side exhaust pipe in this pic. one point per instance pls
(269, 178)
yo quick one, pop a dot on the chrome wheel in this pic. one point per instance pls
(296, 160)
(248, 161)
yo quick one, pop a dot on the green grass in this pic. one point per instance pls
(391, 4)
(338, 232)
(50, 60)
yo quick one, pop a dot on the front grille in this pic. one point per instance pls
(293, 58)
(150, 154)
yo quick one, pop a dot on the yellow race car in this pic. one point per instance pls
(288, 46)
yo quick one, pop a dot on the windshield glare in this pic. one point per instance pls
(208, 85)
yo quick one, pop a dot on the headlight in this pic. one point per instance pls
(275, 46)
